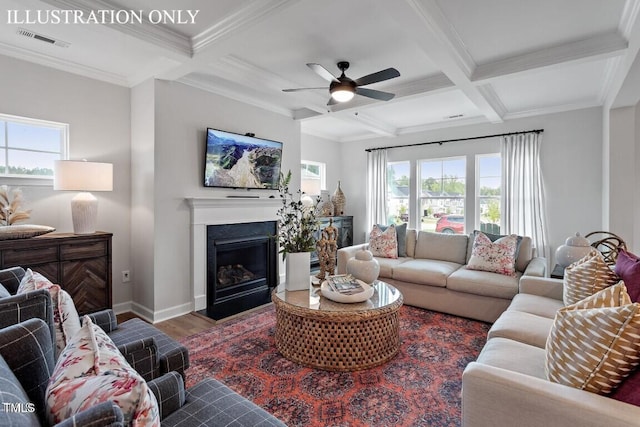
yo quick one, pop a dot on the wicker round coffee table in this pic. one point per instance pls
(317, 332)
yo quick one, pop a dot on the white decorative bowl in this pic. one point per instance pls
(338, 297)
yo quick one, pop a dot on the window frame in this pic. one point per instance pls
(323, 174)
(23, 179)
(478, 197)
(390, 197)
(420, 198)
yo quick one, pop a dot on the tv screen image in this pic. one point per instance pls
(240, 161)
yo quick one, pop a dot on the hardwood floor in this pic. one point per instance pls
(182, 326)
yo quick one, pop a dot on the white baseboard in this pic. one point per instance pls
(123, 307)
(152, 316)
(170, 313)
(200, 302)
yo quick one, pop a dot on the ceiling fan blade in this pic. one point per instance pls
(380, 76)
(322, 72)
(332, 101)
(375, 94)
(299, 89)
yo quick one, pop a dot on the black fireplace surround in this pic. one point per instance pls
(242, 267)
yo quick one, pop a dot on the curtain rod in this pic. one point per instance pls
(457, 139)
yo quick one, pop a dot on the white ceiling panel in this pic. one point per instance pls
(334, 128)
(578, 84)
(424, 110)
(494, 29)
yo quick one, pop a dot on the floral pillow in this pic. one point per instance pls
(496, 257)
(91, 370)
(65, 317)
(384, 243)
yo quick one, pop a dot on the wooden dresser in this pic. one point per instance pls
(80, 264)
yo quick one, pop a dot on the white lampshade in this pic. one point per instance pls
(73, 175)
(83, 176)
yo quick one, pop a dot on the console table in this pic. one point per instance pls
(80, 264)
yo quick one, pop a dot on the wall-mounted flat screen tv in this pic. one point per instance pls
(241, 161)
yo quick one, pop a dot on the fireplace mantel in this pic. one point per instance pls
(220, 210)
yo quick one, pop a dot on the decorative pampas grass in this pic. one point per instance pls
(11, 206)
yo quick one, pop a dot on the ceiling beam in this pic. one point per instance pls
(594, 48)
(434, 34)
(629, 27)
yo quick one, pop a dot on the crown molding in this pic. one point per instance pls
(63, 65)
(629, 17)
(238, 21)
(554, 109)
(593, 48)
(148, 32)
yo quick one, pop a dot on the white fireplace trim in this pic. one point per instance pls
(216, 211)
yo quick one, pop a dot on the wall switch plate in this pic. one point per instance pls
(126, 276)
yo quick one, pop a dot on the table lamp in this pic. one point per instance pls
(83, 176)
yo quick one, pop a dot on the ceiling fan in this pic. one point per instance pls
(343, 88)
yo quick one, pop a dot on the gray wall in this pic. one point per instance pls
(99, 126)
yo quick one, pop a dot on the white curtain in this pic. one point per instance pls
(523, 204)
(376, 187)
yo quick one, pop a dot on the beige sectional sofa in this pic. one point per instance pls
(507, 385)
(433, 276)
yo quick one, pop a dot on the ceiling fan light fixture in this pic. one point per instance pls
(342, 94)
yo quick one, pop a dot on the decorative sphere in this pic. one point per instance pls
(575, 248)
(364, 266)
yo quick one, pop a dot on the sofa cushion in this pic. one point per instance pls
(535, 304)
(483, 283)
(587, 276)
(65, 317)
(4, 293)
(383, 243)
(594, 349)
(628, 269)
(425, 271)
(495, 257)
(443, 247)
(387, 265)
(401, 237)
(522, 327)
(412, 238)
(91, 370)
(514, 356)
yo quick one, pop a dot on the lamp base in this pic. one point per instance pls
(84, 213)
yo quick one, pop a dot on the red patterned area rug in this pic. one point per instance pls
(419, 387)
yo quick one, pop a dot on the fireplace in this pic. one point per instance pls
(242, 267)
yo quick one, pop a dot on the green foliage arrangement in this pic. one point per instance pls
(297, 223)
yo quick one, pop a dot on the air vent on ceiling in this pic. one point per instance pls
(455, 116)
(33, 35)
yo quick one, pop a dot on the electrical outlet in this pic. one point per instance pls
(126, 276)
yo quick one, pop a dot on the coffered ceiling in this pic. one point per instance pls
(461, 61)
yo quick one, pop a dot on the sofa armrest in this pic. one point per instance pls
(106, 319)
(536, 267)
(497, 397)
(142, 355)
(29, 305)
(541, 286)
(169, 392)
(102, 414)
(346, 253)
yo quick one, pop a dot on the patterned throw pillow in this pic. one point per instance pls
(587, 276)
(91, 370)
(593, 345)
(65, 317)
(496, 257)
(384, 243)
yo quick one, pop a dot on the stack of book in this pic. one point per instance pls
(345, 284)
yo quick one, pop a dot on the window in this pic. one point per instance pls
(488, 195)
(312, 177)
(28, 147)
(398, 192)
(442, 195)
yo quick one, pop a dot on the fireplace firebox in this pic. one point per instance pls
(242, 267)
